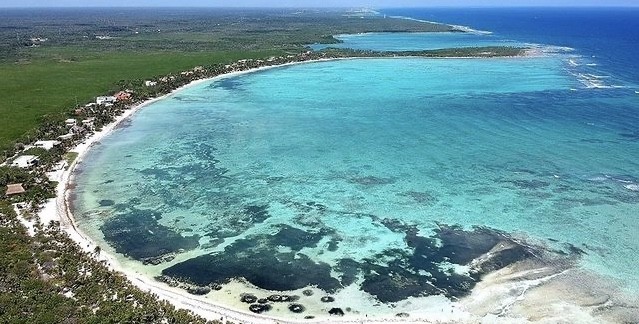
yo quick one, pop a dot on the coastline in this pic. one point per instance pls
(59, 209)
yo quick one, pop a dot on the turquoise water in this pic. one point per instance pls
(325, 172)
(416, 41)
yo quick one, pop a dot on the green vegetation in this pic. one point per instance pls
(53, 87)
(70, 157)
(52, 61)
(46, 278)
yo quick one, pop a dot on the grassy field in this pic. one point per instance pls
(32, 91)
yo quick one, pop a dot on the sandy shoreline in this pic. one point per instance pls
(58, 209)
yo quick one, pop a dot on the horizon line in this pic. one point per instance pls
(329, 7)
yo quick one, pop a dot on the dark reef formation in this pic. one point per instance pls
(258, 260)
(424, 268)
(138, 234)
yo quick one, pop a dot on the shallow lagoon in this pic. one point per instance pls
(416, 41)
(312, 171)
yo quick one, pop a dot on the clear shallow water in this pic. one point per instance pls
(338, 173)
(415, 41)
(323, 149)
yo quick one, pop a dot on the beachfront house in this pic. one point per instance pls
(122, 96)
(25, 161)
(47, 145)
(65, 137)
(150, 83)
(89, 123)
(104, 100)
(14, 189)
(77, 129)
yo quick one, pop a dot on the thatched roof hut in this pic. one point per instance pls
(15, 189)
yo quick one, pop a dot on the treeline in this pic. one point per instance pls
(46, 278)
(186, 30)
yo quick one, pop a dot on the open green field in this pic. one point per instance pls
(53, 59)
(29, 92)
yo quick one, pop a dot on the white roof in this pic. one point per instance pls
(47, 145)
(24, 161)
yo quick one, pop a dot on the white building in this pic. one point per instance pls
(105, 100)
(47, 145)
(150, 83)
(88, 123)
(65, 137)
(25, 161)
(70, 122)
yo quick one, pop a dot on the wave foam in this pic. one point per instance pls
(456, 27)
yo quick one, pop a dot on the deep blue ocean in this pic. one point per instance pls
(609, 35)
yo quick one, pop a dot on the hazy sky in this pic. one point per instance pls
(310, 3)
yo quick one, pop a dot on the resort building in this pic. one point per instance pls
(122, 96)
(150, 83)
(78, 129)
(25, 161)
(88, 123)
(70, 122)
(47, 145)
(15, 189)
(103, 100)
(65, 137)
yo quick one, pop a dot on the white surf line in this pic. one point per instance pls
(507, 305)
(458, 27)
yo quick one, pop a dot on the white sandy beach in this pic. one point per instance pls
(481, 306)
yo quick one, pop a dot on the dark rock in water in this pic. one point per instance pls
(397, 226)
(106, 202)
(248, 298)
(393, 283)
(198, 290)
(257, 259)
(350, 271)
(262, 301)
(259, 308)
(402, 315)
(296, 308)
(138, 234)
(295, 238)
(307, 292)
(336, 311)
(333, 244)
(419, 273)
(327, 299)
(275, 298)
(256, 214)
(461, 247)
